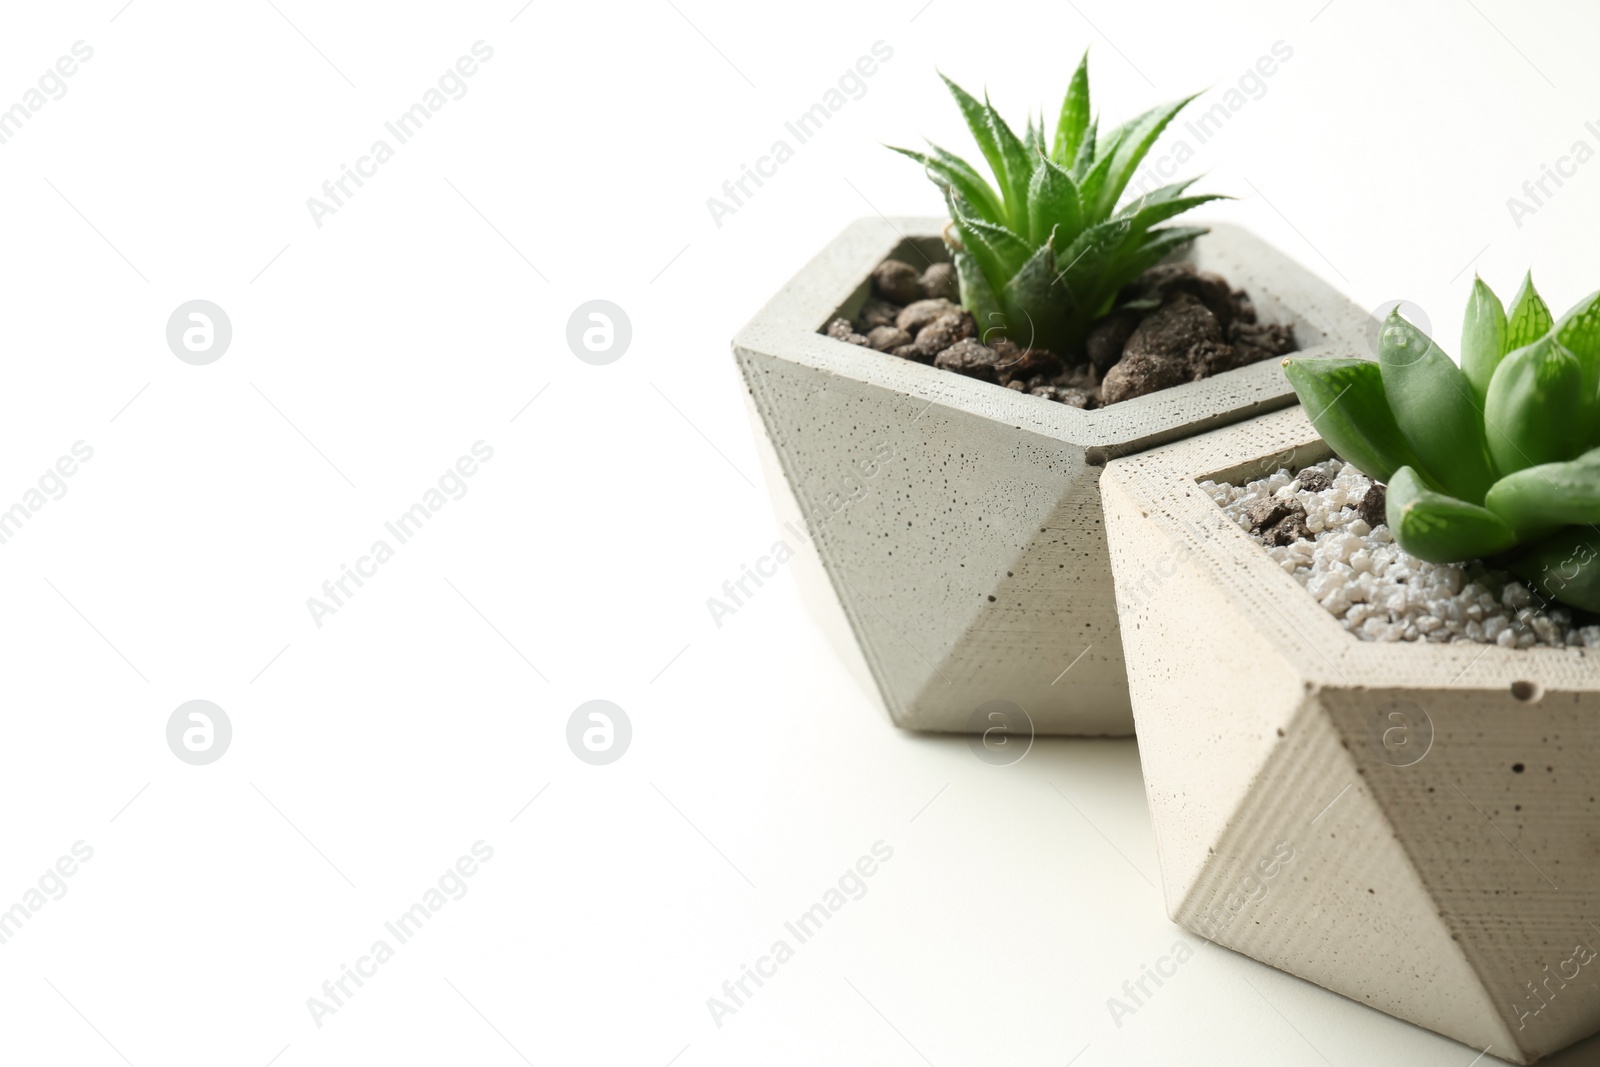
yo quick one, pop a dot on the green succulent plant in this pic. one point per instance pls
(1496, 459)
(1045, 254)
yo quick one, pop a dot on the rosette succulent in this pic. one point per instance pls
(1044, 251)
(1496, 459)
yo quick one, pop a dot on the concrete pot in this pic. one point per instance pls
(1414, 826)
(948, 531)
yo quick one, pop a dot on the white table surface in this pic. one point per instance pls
(428, 313)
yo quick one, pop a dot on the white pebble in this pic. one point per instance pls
(1380, 593)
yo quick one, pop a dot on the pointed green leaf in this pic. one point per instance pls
(1161, 195)
(977, 296)
(1089, 190)
(1344, 400)
(1145, 215)
(946, 169)
(1442, 529)
(1579, 331)
(1038, 309)
(1140, 135)
(1034, 141)
(977, 120)
(1086, 152)
(1053, 204)
(1564, 567)
(1074, 115)
(1533, 407)
(1088, 269)
(1528, 318)
(1549, 495)
(1016, 168)
(1000, 252)
(1154, 247)
(1434, 406)
(1483, 338)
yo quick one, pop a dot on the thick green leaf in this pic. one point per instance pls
(1074, 119)
(1344, 400)
(1036, 141)
(1528, 318)
(1435, 408)
(1579, 331)
(1016, 168)
(977, 120)
(1087, 266)
(977, 296)
(1086, 152)
(1483, 338)
(1549, 495)
(1439, 528)
(1000, 252)
(1053, 204)
(1159, 196)
(1145, 215)
(1564, 567)
(1089, 190)
(1533, 407)
(1038, 308)
(1131, 148)
(946, 169)
(1152, 248)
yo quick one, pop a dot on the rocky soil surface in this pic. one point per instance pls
(1325, 526)
(1173, 324)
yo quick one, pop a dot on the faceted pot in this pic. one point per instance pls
(948, 532)
(1413, 825)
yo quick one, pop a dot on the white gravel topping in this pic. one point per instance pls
(1379, 592)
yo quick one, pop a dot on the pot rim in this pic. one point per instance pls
(837, 279)
(1164, 484)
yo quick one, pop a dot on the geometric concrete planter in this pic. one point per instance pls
(1415, 826)
(947, 532)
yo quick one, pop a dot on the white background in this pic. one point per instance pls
(368, 354)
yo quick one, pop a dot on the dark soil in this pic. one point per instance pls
(1279, 521)
(1173, 324)
(1374, 506)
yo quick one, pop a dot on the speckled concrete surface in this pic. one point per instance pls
(971, 565)
(1410, 824)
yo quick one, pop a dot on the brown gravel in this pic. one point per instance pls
(897, 282)
(970, 358)
(1172, 325)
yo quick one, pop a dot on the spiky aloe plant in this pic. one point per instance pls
(1498, 458)
(1043, 256)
